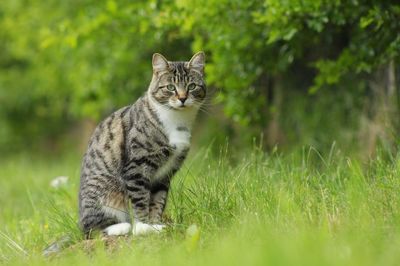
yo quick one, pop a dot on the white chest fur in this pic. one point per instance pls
(177, 125)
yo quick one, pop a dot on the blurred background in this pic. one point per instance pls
(286, 74)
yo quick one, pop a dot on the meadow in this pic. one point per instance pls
(247, 208)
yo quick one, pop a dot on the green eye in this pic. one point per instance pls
(191, 86)
(171, 87)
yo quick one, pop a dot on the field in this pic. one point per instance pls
(248, 208)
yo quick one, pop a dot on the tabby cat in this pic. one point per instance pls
(133, 154)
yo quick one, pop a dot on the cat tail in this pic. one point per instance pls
(58, 245)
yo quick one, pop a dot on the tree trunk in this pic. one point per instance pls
(380, 123)
(273, 131)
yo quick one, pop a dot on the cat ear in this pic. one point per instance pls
(160, 63)
(197, 62)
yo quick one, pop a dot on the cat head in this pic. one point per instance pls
(178, 85)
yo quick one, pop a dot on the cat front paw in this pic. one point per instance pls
(140, 228)
(118, 229)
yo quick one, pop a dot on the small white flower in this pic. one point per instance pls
(59, 181)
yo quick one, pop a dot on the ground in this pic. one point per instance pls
(247, 208)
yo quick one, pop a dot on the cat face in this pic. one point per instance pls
(179, 85)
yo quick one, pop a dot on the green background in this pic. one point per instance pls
(295, 157)
(293, 72)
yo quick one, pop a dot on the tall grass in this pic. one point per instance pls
(242, 208)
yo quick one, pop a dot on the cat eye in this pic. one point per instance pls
(191, 86)
(171, 87)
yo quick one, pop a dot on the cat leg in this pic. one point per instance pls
(138, 190)
(158, 199)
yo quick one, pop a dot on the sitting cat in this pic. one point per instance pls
(133, 154)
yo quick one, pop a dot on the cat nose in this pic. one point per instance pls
(182, 99)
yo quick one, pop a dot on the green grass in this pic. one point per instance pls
(249, 209)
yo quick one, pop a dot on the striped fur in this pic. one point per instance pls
(133, 154)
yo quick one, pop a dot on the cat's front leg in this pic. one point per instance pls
(138, 190)
(158, 199)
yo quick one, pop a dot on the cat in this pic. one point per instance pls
(133, 154)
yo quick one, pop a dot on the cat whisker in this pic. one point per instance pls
(204, 105)
(204, 110)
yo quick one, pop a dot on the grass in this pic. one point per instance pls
(233, 209)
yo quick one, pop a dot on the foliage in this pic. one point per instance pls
(63, 62)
